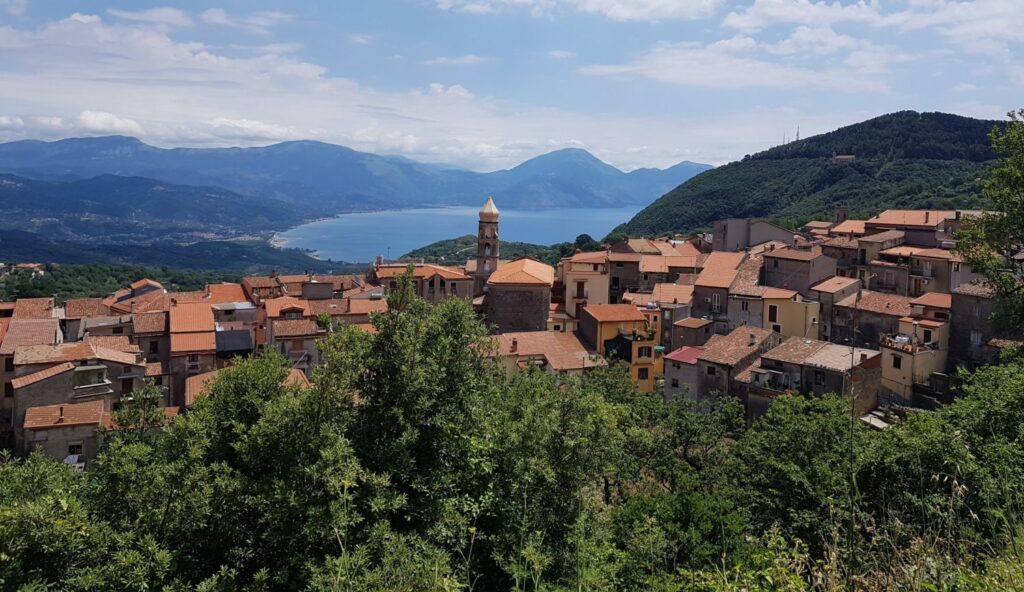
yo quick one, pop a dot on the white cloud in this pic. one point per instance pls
(456, 91)
(463, 60)
(536, 7)
(562, 54)
(649, 10)
(361, 39)
(730, 64)
(257, 22)
(163, 15)
(14, 7)
(816, 40)
(965, 87)
(766, 13)
(101, 122)
(271, 48)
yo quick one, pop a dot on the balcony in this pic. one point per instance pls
(905, 343)
(925, 272)
(583, 294)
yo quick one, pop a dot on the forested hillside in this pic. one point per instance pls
(416, 463)
(903, 160)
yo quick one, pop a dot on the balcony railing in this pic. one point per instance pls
(905, 343)
(922, 272)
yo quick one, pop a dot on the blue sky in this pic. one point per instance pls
(488, 83)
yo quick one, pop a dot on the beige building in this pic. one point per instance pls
(586, 280)
(788, 313)
(519, 296)
(433, 283)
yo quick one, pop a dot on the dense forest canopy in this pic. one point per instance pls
(415, 463)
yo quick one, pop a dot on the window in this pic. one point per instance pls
(644, 352)
(744, 305)
(711, 370)
(927, 335)
(74, 448)
(154, 347)
(956, 267)
(8, 389)
(118, 330)
(618, 264)
(675, 383)
(819, 378)
(642, 373)
(897, 362)
(775, 262)
(777, 328)
(942, 316)
(668, 315)
(90, 375)
(9, 364)
(158, 381)
(975, 311)
(975, 337)
(716, 302)
(773, 313)
(193, 358)
(557, 328)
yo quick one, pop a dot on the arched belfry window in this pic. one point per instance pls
(487, 266)
(487, 250)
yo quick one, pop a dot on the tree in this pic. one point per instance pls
(993, 243)
(585, 242)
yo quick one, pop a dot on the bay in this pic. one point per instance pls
(361, 237)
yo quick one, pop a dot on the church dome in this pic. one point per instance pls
(489, 213)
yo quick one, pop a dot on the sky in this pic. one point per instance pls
(486, 84)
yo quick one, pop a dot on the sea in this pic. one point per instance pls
(359, 238)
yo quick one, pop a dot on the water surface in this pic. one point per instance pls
(361, 237)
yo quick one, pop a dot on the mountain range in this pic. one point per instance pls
(335, 179)
(900, 160)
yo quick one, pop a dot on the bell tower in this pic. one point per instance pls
(486, 245)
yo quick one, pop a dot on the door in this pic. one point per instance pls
(127, 385)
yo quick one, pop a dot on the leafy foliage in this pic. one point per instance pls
(85, 281)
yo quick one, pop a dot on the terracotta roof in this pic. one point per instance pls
(156, 369)
(818, 224)
(56, 370)
(686, 249)
(331, 307)
(834, 284)
(716, 277)
(5, 322)
(523, 272)
(156, 300)
(747, 277)
(624, 257)
(563, 351)
(368, 327)
(226, 292)
(687, 354)
(590, 257)
(848, 227)
(878, 302)
(794, 350)
(840, 242)
(65, 415)
(197, 386)
(22, 332)
(195, 296)
(33, 308)
(637, 298)
(934, 300)
(672, 293)
(776, 293)
(191, 317)
(923, 321)
(840, 358)
(927, 218)
(973, 288)
(366, 306)
(884, 236)
(793, 254)
(116, 342)
(729, 349)
(296, 328)
(276, 307)
(144, 282)
(934, 253)
(653, 264)
(901, 251)
(421, 271)
(724, 260)
(78, 308)
(692, 323)
(259, 281)
(1003, 343)
(70, 352)
(203, 341)
(338, 282)
(614, 313)
(642, 245)
(149, 322)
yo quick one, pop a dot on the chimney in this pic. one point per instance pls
(863, 357)
(515, 345)
(273, 273)
(752, 341)
(926, 215)
(958, 214)
(174, 302)
(60, 414)
(842, 213)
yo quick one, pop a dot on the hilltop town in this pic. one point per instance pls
(881, 310)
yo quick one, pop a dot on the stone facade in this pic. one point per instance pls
(518, 308)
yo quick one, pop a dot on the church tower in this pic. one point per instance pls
(486, 245)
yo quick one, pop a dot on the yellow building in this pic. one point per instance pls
(788, 313)
(915, 353)
(586, 280)
(622, 332)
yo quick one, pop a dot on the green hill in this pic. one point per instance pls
(456, 251)
(903, 160)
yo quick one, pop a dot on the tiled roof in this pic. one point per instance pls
(624, 257)
(716, 277)
(840, 242)
(149, 322)
(78, 308)
(934, 300)
(724, 260)
(653, 264)
(934, 253)
(366, 306)
(116, 342)
(276, 307)
(747, 278)
(686, 249)
(687, 354)
(187, 297)
(926, 218)
(776, 293)
(793, 254)
(902, 251)
(257, 281)
(642, 245)
(157, 300)
(878, 302)
(64, 415)
(5, 322)
(523, 272)
(296, 328)
(563, 351)
(28, 379)
(884, 236)
(338, 282)
(692, 323)
(672, 293)
(197, 386)
(156, 369)
(848, 227)
(331, 307)
(33, 308)
(923, 321)
(421, 271)
(226, 292)
(590, 257)
(614, 313)
(973, 288)
(203, 341)
(840, 358)
(144, 282)
(818, 224)
(794, 350)
(834, 284)
(70, 352)
(637, 298)
(191, 317)
(22, 332)
(729, 349)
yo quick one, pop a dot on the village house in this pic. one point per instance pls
(849, 229)
(724, 356)
(788, 313)
(670, 301)
(432, 283)
(920, 227)
(827, 294)
(793, 269)
(622, 332)
(193, 344)
(586, 280)
(914, 358)
(738, 234)
(66, 431)
(519, 296)
(76, 310)
(681, 371)
(692, 331)
(711, 288)
(863, 318)
(17, 334)
(972, 304)
(561, 353)
(844, 251)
